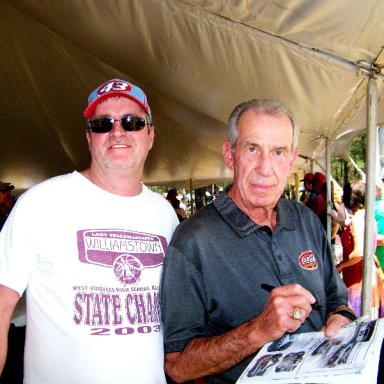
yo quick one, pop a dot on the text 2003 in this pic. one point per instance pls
(123, 331)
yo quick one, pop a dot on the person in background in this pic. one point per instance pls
(6, 201)
(379, 217)
(180, 212)
(339, 221)
(89, 247)
(308, 195)
(175, 202)
(171, 195)
(352, 265)
(13, 369)
(319, 203)
(215, 312)
(346, 234)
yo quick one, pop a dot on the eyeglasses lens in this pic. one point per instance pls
(133, 123)
(105, 124)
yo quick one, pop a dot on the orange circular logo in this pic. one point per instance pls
(307, 260)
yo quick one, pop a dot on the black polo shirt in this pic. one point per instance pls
(218, 259)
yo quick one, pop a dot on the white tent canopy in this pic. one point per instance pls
(196, 60)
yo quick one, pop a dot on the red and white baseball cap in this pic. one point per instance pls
(117, 87)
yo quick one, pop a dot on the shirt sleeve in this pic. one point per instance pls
(18, 248)
(182, 284)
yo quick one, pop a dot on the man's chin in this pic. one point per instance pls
(265, 201)
(121, 165)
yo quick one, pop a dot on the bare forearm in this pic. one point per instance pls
(3, 346)
(212, 355)
(8, 300)
(348, 263)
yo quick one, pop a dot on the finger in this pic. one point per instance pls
(276, 318)
(287, 308)
(293, 290)
(285, 313)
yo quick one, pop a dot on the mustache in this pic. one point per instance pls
(121, 141)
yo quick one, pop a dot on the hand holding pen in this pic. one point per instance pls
(291, 302)
(285, 310)
(269, 288)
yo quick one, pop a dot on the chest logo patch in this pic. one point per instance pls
(127, 253)
(307, 260)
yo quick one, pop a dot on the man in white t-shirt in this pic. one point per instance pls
(88, 248)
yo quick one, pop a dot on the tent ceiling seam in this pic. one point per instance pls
(330, 55)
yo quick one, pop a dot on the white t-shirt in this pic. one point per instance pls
(91, 263)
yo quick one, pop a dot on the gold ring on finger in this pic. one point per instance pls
(297, 313)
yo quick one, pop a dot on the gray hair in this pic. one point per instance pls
(262, 107)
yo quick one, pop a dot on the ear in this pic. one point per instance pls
(88, 135)
(228, 155)
(151, 134)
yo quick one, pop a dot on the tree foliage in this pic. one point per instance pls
(344, 170)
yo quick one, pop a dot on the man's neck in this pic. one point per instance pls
(260, 215)
(264, 216)
(116, 182)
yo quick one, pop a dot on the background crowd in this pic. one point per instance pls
(347, 233)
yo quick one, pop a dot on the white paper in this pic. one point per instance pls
(310, 358)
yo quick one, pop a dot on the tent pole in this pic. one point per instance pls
(297, 187)
(191, 194)
(328, 174)
(369, 196)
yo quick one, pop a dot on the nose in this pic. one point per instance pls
(264, 165)
(117, 129)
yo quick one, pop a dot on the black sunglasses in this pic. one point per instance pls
(128, 122)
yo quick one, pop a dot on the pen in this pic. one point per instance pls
(269, 288)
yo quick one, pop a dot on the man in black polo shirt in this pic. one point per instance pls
(216, 315)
